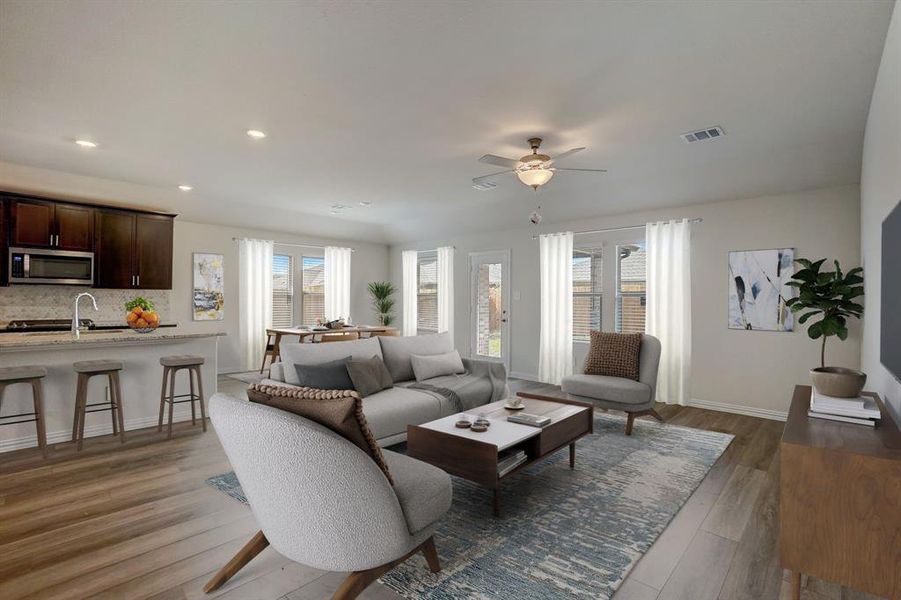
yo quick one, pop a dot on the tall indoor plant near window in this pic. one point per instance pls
(382, 300)
(830, 297)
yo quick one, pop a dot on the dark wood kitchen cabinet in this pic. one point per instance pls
(4, 243)
(74, 227)
(132, 250)
(38, 223)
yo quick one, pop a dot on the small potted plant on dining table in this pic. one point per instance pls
(830, 297)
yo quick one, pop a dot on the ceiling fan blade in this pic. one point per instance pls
(589, 170)
(500, 161)
(484, 177)
(565, 154)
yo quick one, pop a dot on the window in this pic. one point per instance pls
(427, 291)
(587, 281)
(282, 290)
(313, 290)
(631, 288)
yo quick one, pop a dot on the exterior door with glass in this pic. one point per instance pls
(490, 306)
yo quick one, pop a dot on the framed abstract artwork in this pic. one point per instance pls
(758, 290)
(208, 298)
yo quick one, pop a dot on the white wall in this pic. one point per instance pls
(752, 370)
(369, 263)
(880, 191)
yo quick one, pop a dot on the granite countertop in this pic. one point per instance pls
(12, 341)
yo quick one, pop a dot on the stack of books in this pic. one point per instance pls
(509, 460)
(861, 410)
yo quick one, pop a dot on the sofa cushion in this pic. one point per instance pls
(331, 375)
(369, 376)
(610, 389)
(311, 354)
(396, 351)
(390, 411)
(423, 491)
(339, 410)
(436, 365)
(613, 354)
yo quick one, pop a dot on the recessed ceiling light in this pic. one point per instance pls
(185, 188)
(86, 144)
(256, 134)
(365, 203)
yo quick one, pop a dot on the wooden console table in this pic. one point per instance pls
(840, 501)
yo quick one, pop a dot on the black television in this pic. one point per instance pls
(890, 334)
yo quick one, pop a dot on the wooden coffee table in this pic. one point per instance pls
(474, 456)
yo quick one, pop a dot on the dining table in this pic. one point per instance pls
(274, 335)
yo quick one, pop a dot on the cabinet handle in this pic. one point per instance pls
(138, 279)
(57, 240)
(132, 281)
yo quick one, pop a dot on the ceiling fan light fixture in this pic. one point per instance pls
(535, 177)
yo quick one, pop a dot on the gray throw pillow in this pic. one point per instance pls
(435, 365)
(330, 375)
(369, 376)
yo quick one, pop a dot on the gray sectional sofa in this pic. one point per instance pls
(409, 402)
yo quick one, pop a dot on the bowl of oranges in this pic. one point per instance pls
(140, 315)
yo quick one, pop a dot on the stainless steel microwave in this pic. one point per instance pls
(62, 267)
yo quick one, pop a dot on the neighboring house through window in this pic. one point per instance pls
(282, 290)
(313, 289)
(588, 280)
(631, 288)
(427, 292)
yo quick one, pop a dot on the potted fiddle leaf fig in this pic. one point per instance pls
(382, 301)
(828, 298)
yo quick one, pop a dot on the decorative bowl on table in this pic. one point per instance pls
(141, 316)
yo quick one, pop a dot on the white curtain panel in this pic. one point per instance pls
(337, 282)
(409, 291)
(669, 305)
(446, 290)
(555, 355)
(255, 284)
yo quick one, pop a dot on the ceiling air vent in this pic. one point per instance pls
(711, 133)
(484, 186)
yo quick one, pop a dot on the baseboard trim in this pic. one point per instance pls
(763, 413)
(55, 437)
(523, 376)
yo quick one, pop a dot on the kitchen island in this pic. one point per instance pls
(141, 378)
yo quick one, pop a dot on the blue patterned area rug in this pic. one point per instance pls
(564, 534)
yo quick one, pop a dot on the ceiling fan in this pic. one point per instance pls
(534, 169)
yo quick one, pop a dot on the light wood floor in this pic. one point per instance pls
(138, 521)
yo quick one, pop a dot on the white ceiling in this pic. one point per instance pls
(393, 102)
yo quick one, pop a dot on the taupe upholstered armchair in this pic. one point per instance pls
(636, 398)
(321, 501)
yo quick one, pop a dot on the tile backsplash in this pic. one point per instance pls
(55, 302)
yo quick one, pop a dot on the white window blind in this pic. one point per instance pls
(282, 290)
(313, 289)
(631, 288)
(587, 298)
(427, 292)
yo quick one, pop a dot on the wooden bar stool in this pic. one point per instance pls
(33, 375)
(171, 366)
(87, 369)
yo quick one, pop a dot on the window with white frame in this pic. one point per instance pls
(282, 290)
(313, 289)
(631, 288)
(588, 265)
(427, 292)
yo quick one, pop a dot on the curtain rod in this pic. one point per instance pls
(290, 245)
(609, 229)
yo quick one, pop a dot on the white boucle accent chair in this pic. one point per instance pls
(321, 501)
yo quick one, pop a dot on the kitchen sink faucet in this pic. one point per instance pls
(76, 322)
